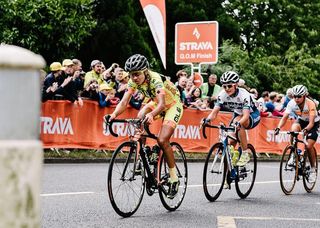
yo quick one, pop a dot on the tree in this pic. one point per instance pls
(53, 28)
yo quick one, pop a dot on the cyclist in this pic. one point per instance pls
(165, 101)
(307, 121)
(245, 114)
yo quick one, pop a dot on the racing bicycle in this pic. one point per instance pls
(220, 169)
(294, 165)
(136, 167)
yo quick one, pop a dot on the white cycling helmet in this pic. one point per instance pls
(136, 62)
(299, 90)
(229, 77)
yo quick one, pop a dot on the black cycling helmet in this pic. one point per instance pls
(299, 90)
(136, 62)
(229, 77)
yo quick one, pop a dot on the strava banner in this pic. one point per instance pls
(64, 125)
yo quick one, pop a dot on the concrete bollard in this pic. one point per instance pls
(21, 153)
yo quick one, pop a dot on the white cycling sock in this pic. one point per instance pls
(173, 174)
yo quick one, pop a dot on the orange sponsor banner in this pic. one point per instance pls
(196, 42)
(64, 125)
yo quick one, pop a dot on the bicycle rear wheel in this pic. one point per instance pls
(126, 180)
(306, 171)
(246, 175)
(214, 172)
(288, 169)
(182, 171)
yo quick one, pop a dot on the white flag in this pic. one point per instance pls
(155, 11)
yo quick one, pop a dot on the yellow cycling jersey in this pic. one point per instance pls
(154, 85)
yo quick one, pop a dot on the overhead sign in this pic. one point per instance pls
(196, 42)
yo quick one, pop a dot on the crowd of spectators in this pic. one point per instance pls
(107, 86)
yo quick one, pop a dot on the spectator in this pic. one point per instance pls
(254, 93)
(95, 73)
(179, 74)
(279, 102)
(182, 84)
(270, 105)
(195, 100)
(288, 97)
(210, 90)
(78, 75)
(122, 79)
(106, 95)
(109, 75)
(91, 91)
(56, 83)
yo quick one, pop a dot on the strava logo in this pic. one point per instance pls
(196, 33)
(59, 126)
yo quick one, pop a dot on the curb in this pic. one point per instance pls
(107, 160)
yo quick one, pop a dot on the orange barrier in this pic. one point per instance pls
(64, 125)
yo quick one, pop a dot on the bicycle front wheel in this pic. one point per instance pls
(126, 180)
(308, 186)
(214, 172)
(288, 169)
(247, 174)
(182, 172)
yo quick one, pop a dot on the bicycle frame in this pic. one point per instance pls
(150, 178)
(223, 138)
(295, 139)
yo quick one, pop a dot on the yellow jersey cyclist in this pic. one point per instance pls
(307, 121)
(245, 114)
(165, 101)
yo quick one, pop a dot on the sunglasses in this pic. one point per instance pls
(227, 86)
(297, 96)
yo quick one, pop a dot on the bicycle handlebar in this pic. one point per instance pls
(221, 126)
(295, 134)
(136, 122)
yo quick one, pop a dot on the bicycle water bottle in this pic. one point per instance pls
(234, 155)
(147, 151)
(299, 151)
(154, 154)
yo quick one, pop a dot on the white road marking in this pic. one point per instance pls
(226, 222)
(66, 193)
(260, 182)
(229, 221)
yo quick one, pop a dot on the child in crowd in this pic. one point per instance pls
(107, 96)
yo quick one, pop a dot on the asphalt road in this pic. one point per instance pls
(74, 195)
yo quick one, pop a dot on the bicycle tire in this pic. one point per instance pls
(306, 167)
(288, 173)
(245, 173)
(125, 193)
(213, 175)
(182, 170)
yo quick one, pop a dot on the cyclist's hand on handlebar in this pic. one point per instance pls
(204, 121)
(305, 131)
(148, 118)
(276, 131)
(112, 117)
(237, 125)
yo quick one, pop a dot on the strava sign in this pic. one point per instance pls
(196, 42)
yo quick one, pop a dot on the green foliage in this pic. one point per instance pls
(53, 28)
(272, 44)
